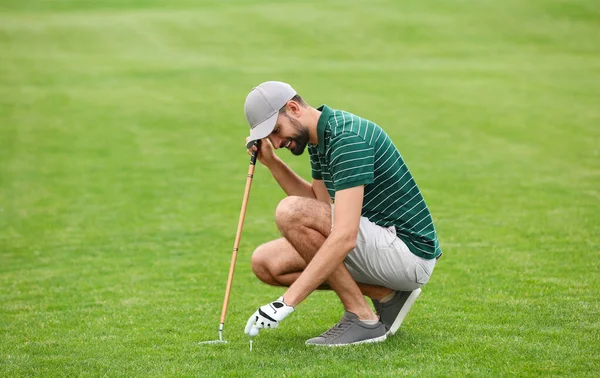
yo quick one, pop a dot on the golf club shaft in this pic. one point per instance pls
(238, 235)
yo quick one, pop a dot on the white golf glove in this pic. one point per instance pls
(268, 316)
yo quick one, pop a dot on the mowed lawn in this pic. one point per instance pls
(122, 169)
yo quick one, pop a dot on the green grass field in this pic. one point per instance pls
(122, 170)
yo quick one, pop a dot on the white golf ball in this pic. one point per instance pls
(253, 331)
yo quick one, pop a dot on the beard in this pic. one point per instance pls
(300, 138)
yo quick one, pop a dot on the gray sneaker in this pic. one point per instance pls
(349, 331)
(393, 312)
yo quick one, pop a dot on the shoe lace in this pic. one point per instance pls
(337, 329)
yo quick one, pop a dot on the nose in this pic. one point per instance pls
(274, 141)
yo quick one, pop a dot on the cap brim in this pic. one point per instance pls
(262, 130)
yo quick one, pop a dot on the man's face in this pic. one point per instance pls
(289, 133)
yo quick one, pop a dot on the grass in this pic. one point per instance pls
(122, 170)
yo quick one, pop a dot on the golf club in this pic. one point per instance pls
(236, 245)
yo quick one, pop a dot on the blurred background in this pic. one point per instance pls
(122, 168)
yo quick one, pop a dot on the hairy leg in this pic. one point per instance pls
(277, 263)
(305, 224)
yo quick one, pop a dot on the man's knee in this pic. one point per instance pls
(298, 213)
(260, 265)
(293, 212)
(288, 211)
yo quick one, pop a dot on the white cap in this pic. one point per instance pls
(262, 107)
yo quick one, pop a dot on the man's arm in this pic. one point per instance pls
(288, 180)
(348, 205)
(320, 190)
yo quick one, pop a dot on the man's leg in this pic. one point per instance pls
(306, 223)
(277, 263)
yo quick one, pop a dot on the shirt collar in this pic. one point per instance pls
(326, 113)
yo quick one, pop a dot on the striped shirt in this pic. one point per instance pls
(353, 151)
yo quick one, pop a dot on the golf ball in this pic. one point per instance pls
(253, 331)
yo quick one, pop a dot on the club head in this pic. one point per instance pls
(213, 342)
(220, 341)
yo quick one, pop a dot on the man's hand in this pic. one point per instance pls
(266, 155)
(268, 316)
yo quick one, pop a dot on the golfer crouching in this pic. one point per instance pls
(360, 228)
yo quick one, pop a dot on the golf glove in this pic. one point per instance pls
(268, 316)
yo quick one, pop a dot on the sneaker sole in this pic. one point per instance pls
(405, 309)
(368, 341)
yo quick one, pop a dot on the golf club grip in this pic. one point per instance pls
(238, 237)
(255, 153)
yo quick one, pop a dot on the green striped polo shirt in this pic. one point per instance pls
(353, 151)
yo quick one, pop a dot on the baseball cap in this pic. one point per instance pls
(262, 107)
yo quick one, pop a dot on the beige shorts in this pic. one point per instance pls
(381, 258)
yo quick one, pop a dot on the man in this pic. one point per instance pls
(378, 240)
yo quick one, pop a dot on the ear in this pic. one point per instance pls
(294, 108)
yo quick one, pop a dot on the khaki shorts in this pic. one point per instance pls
(381, 258)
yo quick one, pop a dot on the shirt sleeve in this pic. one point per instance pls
(351, 161)
(315, 165)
